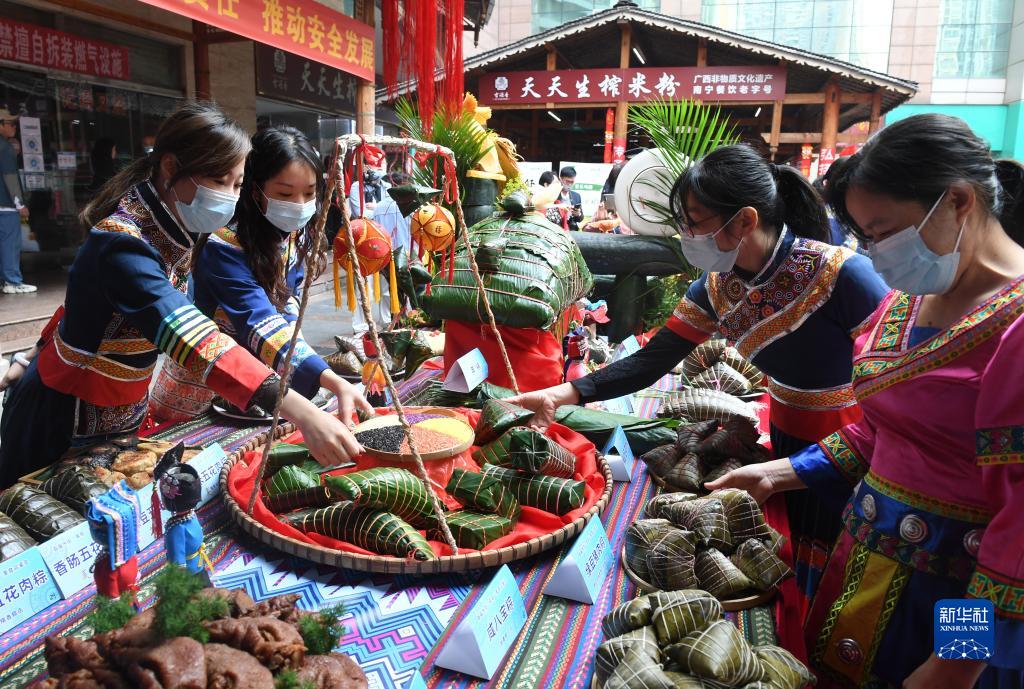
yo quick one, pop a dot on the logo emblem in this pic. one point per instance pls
(280, 61)
(501, 83)
(964, 629)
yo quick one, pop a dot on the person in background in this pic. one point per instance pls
(613, 174)
(930, 482)
(790, 302)
(104, 153)
(249, 275)
(126, 302)
(570, 199)
(555, 213)
(373, 193)
(12, 210)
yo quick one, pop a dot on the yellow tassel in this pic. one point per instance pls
(376, 288)
(350, 284)
(337, 285)
(393, 286)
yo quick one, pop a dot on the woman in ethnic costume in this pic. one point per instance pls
(932, 476)
(126, 302)
(788, 300)
(248, 275)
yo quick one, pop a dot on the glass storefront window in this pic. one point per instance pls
(974, 39)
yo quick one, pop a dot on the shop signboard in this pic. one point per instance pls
(304, 27)
(634, 85)
(43, 47)
(283, 76)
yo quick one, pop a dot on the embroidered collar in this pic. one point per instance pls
(783, 248)
(162, 216)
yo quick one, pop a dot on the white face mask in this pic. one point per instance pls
(209, 211)
(702, 251)
(906, 263)
(288, 216)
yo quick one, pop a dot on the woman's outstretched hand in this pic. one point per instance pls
(544, 403)
(760, 480)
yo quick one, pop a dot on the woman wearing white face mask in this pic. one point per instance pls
(126, 303)
(789, 301)
(248, 276)
(932, 478)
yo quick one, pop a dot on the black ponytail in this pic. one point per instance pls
(917, 159)
(734, 177)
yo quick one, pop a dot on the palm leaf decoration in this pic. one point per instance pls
(452, 128)
(684, 131)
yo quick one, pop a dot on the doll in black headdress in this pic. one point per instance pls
(178, 489)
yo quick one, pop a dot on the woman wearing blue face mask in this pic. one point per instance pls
(789, 301)
(932, 477)
(126, 302)
(248, 276)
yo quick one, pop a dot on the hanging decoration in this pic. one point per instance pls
(432, 227)
(373, 374)
(373, 249)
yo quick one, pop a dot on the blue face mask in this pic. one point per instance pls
(209, 211)
(288, 216)
(906, 263)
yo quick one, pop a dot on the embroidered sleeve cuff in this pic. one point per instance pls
(686, 331)
(237, 376)
(821, 474)
(1007, 595)
(1004, 445)
(692, 322)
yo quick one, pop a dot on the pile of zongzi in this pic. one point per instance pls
(679, 640)
(719, 543)
(703, 452)
(713, 365)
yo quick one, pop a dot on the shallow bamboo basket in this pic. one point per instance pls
(383, 564)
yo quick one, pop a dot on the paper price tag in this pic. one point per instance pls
(70, 557)
(26, 588)
(620, 405)
(468, 372)
(479, 644)
(582, 572)
(619, 455)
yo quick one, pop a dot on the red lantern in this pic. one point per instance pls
(373, 252)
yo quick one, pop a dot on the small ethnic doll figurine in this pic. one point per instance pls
(575, 348)
(114, 522)
(179, 489)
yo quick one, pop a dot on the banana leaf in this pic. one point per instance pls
(483, 493)
(684, 614)
(548, 493)
(39, 514)
(760, 564)
(670, 560)
(626, 617)
(719, 576)
(283, 454)
(371, 529)
(719, 652)
(13, 538)
(288, 479)
(527, 450)
(74, 487)
(387, 488)
(781, 668)
(497, 417)
(611, 652)
(638, 670)
(597, 426)
(473, 529)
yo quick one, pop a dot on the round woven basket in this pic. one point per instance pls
(392, 565)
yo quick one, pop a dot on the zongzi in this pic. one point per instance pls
(638, 670)
(75, 487)
(611, 652)
(13, 538)
(706, 517)
(290, 478)
(670, 560)
(626, 617)
(718, 652)
(760, 564)
(718, 575)
(527, 450)
(743, 514)
(640, 535)
(473, 529)
(483, 493)
(686, 474)
(370, 529)
(548, 493)
(41, 515)
(781, 668)
(689, 611)
(395, 490)
(497, 417)
(656, 506)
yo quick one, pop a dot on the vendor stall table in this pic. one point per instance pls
(395, 626)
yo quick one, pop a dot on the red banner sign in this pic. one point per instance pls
(42, 47)
(303, 27)
(634, 85)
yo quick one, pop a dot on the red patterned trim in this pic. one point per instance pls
(236, 375)
(844, 457)
(811, 425)
(686, 331)
(1006, 593)
(89, 384)
(694, 316)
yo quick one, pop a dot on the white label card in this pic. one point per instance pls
(468, 372)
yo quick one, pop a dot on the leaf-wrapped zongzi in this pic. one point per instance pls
(737, 438)
(718, 575)
(288, 479)
(686, 474)
(638, 670)
(760, 564)
(640, 535)
(706, 517)
(690, 435)
(283, 454)
(781, 668)
(395, 490)
(304, 498)
(548, 493)
(704, 356)
(656, 506)
(611, 652)
(682, 680)
(497, 417)
(527, 450)
(721, 470)
(670, 560)
(722, 377)
(743, 514)
(75, 487)
(661, 459)
(686, 613)
(483, 493)
(370, 529)
(718, 652)
(473, 529)
(700, 404)
(41, 515)
(633, 614)
(13, 538)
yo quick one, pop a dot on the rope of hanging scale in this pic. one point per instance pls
(321, 222)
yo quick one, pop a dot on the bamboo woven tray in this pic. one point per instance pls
(729, 604)
(382, 564)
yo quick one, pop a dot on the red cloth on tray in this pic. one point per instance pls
(532, 522)
(535, 355)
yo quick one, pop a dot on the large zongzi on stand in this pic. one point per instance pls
(75, 487)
